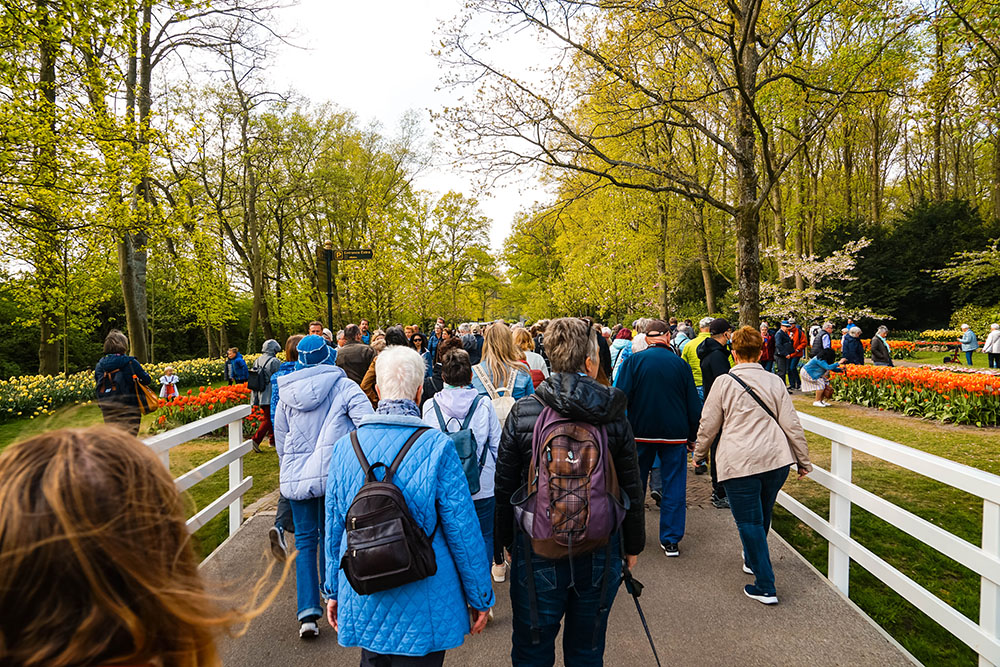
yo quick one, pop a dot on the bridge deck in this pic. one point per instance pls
(694, 605)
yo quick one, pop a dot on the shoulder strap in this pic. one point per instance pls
(511, 379)
(472, 411)
(753, 394)
(440, 416)
(402, 453)
(358, 452)
(481, 374)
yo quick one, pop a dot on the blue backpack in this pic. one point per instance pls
(465, 442)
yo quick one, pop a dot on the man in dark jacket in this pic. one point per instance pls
(571, 391)
(664, 409)
(716, 360)
(355, 357)
(783, 347)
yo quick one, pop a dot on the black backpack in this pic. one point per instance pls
(256, 380)
(386, 547)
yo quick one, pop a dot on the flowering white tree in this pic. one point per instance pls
(972, 266)
(818, 298)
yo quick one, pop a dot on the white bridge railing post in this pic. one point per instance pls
(839, 561)
(989, 598)
(235, 476)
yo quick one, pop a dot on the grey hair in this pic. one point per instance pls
(830, 324)
(464, 328)
(855, 331)
(399, 372)
(704, 322)
(883, 329)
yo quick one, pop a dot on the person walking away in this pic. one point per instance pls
(459, 407)
(766, 347)
(623, 339)
(799, 343)
(103, 538)
(758, 444)
(236, 367)
(419, 343)
(355, 357)
(115, 376)
(782, 348)
(319, 404)
(663, 409)
(537, 367)
(881, 352)
(816, 376)
(638, 345)
(474, 345)
(540, 584)
(501, 369)
(716, 361)
(853, 350)
(415, 623)
(968, 342)
(168, 384)
(690, 354)
(395, 336)
(283, 522)
(992, 346)
(266, 365)
(680, 338)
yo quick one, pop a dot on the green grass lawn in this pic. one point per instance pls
(979, 360)
(262, 467)
(958, 512)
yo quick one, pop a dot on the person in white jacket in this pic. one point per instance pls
(455, 402)
(992, 346)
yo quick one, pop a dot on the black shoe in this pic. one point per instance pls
(700, 468)
(656, 496)
(670, 548)
(278, 547)
(721, 503)
(755, 593)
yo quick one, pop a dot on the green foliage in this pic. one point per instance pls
(978, 318)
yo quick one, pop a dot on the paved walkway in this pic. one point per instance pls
(694, 605)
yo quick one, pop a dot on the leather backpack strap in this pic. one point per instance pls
(358, 452)
(391, 474)
(754, 395)
(490, 389)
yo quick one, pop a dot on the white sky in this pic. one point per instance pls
(375, 59)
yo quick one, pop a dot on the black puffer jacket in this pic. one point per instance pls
(582, 398)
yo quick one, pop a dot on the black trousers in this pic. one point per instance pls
(781, 364)
(125, 417)
(994, 359)
(718, 489)
(370, 659)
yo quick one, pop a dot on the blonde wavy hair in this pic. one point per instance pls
(96, 562)
(500, 355)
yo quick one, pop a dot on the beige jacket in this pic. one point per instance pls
(751, 441)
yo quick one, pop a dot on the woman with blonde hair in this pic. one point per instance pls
(501, 368)
(96, 561)
(536, 364)
(761, 438)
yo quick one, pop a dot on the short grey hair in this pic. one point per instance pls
(829, 325)
(995, 326)
(464, 328)
(704, 322)
(569, 342)
(855, 331)
(883, 329)
(399, 372)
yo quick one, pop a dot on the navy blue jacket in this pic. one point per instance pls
(783, 345)
(663, 404)
(130, 366)
(853, 351)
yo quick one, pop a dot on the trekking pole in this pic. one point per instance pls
(634, 587)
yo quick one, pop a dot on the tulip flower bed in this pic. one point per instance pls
(901, 349)
(961, 398)
(191, 406)
(30, 396)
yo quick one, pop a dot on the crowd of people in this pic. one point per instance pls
(419, 471)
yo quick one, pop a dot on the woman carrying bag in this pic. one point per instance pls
(122, 386)
(761, 438)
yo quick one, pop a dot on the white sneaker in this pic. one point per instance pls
(308, 630)
(825, 404)
(820, 404)
(499, 572)
(746, 569)
(489, 616)
(278, 547)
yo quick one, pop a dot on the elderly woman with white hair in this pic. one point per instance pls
(881, 352)
(416, 622)
(992, 346)
(969, 343)
(854, 350)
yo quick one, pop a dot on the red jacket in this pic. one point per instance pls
(767, 348)
(799, 341)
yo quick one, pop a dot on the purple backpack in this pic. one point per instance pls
(571, 503)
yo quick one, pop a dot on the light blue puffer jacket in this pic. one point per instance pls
(318, 405)
(427, 615)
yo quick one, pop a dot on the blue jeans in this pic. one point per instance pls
(673, 473)
(751, 500)
(570, 588)
(968, 357)
(794, 381)
(484, 510)
(768, 366)
(701, 392)
(309, 531)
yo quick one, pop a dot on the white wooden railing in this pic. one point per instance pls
(238, 485)
(983, 638)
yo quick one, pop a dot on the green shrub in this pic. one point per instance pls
(977, 317)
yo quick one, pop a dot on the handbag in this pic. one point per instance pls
(144, 396)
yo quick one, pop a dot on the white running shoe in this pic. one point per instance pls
(825, 404)
(820, 404)
(499, 572)
(308, 630)
(746, 569)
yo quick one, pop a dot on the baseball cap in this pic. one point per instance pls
(719, 325)
(785, 323)
(657, 328)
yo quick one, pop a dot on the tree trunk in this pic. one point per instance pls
(996, 175)
(747, 216)
(703, 258)
(801, 202)
(661, 260)
(849, 171)
(132, 272)
(938, 109)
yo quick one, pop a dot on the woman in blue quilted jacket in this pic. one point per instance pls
(420, 620)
